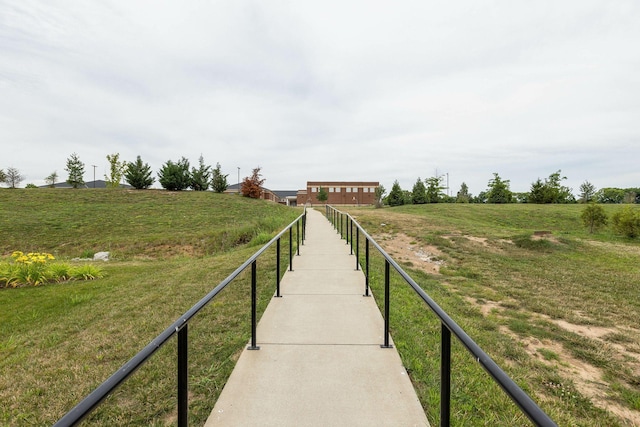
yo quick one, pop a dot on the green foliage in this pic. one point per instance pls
(13, 177)
(550, 191)
(218, 180)
(593, 217)
(610, 195)
(52, 179)
(499, 191)
(380, 191)
(138, 175)
(322, 195)
(30, 185)
(434, 189)
(396, 196)
(626, 222)
(175, 176)
(419, 193)
(463, 195)
(252, 186)
(200, 177)
(117, 169)
(3, 177)
(75, 168)
(587, 192)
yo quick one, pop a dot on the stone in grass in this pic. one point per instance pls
(101, 256)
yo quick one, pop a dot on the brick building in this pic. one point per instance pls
(339, 192)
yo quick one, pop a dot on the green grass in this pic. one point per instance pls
(60, 341)
(573, 276)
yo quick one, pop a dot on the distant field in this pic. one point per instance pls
(555, 306)
(58, 342)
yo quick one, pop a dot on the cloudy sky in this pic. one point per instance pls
(331, 90)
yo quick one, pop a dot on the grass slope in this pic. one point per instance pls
(559, 314)
(58, 342)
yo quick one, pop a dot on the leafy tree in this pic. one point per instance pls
(218, 180)
(593, 216)
(13, 177)
(200, 177)
(551, 190)
(252, 186)
(587, 192)
(419, 193)
(3, 177)
(434, 189)
(499, 191)
(379, 193)
(175, 176)
(627, 222)
(138, 175)
(463, 195)
(322, 195)
(76, 171)
(537, 194)
(117, 170)
(51, 179)
(610, 195)
(481, 198)
(396, 196)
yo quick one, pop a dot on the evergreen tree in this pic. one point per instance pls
(419, 193)
(587, 192)
(463, 195)
(538, 192)
(200, 177)
(218, 180)
(138, 175)
(76, 171)
(434, 189)
(13, 177)
(252, 186)
(499, 191)
(175, 176)
(396, 196)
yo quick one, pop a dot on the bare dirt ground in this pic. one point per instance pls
(406, 250)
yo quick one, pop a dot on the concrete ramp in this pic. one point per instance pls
(320, 362)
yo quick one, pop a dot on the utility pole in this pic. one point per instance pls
(238, 180)
(94, 175)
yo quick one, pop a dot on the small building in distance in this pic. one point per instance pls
(339, 192)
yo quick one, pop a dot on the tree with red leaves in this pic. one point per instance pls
(252, 186)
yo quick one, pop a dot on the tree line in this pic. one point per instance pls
(549, 190)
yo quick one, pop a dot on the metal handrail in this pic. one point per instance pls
(180, 327)
(448, 327)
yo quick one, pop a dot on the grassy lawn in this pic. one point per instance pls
(58, 342)
(558, 312)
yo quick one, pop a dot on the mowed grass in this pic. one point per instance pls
(559, 314)
(58, 342)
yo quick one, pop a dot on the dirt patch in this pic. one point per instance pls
(405, 249)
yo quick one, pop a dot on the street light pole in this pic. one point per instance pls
(238, 179)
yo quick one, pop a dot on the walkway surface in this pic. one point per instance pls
(320, 362)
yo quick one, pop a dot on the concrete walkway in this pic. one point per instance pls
(320, 362)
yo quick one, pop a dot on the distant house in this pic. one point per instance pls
(99, 183)
(339, 192)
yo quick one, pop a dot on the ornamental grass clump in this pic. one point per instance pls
(36, 268)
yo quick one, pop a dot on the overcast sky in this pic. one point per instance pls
(330, 90)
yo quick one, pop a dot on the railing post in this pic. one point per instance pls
(254, 304)
(278, 268)
(347, 220)
(445, 377)
(351, 227)
(183, 376)
(304, 227)
(386, 305)
(357, 249)
(290, 248)
(298, 237)
(366, 267)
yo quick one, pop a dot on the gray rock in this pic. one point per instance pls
(101, 256)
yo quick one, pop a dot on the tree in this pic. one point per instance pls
(138, 175)
(463, 195)
(419, 193)
(610, 195)
(587, 192)
(116, 169)
(322, 195)
(379, 195)
(396, 196)
(13, 177)
(627, 222)
(200, 177)
(434, 189)
(51, 179)
(3, 177)
(252, 186)
(499, 191)
(76, 171)
(593, 217)
(175, 176)
(218, 180)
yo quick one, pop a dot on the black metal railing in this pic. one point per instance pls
(181, 328)
(344, 225)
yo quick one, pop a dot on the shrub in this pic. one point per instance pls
(594, 217)
(626, 222)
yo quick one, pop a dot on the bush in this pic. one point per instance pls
(627, 222)
(594, 217)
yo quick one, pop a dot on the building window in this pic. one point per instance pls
(330, 189)
(348, 189)
(314, 189)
